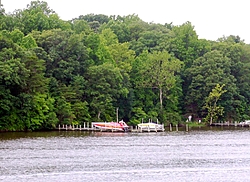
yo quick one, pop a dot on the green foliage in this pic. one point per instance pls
(42, 115)
(64, 111)
(211, 103)
(69, 72)
(81, 26)
(104, 84)
(207, 71)
(81, 111)
(158, 71)
(138, 115)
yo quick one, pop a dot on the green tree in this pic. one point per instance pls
(64, 111)
(81, 26)
(81, 112)
(207, 71)
(38, 16)
(158, 71)
(68, 55)
(104, 83)
(211, 103)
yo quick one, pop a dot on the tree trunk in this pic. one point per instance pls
(211, 120)
(98, 115)
(160, 89)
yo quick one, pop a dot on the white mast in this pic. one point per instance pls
(117, 114)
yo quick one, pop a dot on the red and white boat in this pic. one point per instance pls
(113, 126)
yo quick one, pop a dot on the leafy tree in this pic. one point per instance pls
(81, 26)
(104, 83)
(207, 71)
(17, 36)
(28, 42)
(92, 17)
(158, 72)
(138, 115)
(119, 28)
(42, 115)
(211, 103)
(36, 82)
(64, 111)
(233, 48)
(38, 16)
(81, 112)
(7, 106)
(67, 52)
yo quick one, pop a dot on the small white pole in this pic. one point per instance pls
(117, 114)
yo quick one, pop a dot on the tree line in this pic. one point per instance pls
(69, 72)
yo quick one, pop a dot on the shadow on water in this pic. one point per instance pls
(47, 134)
(43, 134)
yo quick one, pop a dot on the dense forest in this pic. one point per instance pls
(69, 72)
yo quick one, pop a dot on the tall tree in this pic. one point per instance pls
(207, 71)
(212, 103)
(158, 72)
(104, 83)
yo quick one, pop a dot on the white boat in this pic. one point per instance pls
(150, 127)
(112, 126)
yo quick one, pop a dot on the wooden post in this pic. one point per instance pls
(186, 127)
(170, 127)
(59, 127)
(80, 127)
(177, 127)
(66, 127)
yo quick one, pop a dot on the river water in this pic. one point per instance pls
(178, 156)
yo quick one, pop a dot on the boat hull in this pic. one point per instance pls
(113, 126)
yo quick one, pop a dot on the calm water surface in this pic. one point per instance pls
(209, 156)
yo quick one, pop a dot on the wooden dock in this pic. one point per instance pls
(91, 128)
(236, 124)
(87, 127)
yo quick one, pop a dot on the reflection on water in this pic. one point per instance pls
(197, 155)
